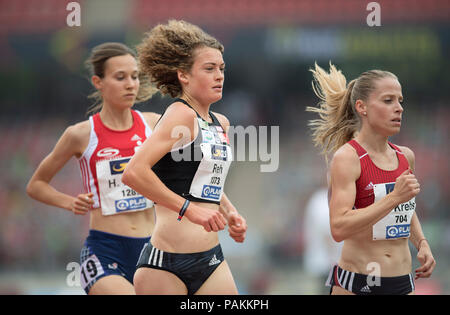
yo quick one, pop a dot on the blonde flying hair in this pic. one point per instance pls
(171, 47)
(96, 66)
(339, 121)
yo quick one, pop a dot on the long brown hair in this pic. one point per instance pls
(170, 47)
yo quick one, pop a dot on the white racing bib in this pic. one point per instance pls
(116, 197)
(212, 171)
(397, 223)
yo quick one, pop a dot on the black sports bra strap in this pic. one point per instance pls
(213, 117)
(186, 103)
(177, 100)
(182, 101)
(215, 120)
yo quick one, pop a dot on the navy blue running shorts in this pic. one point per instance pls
(106, 254)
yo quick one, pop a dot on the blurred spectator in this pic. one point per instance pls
(321, 251)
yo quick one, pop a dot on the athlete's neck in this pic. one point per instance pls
(373, 142)
(201, 109)
(116, 119)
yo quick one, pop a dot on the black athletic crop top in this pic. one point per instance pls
(197, 171)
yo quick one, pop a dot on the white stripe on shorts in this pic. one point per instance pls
(345, 279)
(350, 283)
(160, 259)
(330, 275)
(150, 258)
(155, 257)
(412, 282)
(341, 277)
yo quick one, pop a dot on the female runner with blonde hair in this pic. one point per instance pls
(372, 185)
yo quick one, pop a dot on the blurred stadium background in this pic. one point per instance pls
(269, 47)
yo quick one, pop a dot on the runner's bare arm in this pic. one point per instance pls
(139, 175)
(345, 221)
(237, 225)
(39, 188)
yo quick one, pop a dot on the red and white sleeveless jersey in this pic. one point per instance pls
(371, 174)
(107, 153)
(375, 183)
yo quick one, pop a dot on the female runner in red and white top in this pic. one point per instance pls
(372, 185)
(121, 220)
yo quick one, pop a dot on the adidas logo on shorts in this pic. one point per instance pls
(214, 261)
(366, 289)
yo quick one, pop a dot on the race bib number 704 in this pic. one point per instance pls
(398, 222)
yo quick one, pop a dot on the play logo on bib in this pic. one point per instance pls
(396, 224)
(135, 203)
(212, 192)
(397, 231)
